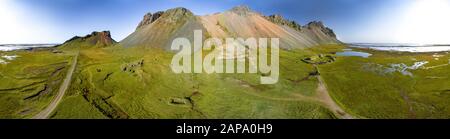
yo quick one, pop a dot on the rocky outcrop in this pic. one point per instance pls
(177, 14)
(319, 25)
(242, 10)
(100, 39)
(149, 18)
(278, 19)
(171, 15)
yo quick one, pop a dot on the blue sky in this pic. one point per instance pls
(54, 21)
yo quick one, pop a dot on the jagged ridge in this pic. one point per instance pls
(278, 19)
(149, 18)
(323, 28)
(158, 30)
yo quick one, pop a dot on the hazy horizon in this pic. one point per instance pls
(361, 21)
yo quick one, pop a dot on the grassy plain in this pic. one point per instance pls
(364, 88)
(29, 82)
(137, 82)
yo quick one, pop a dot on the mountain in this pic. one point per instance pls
(149, 18)
(320, 32)
(95, 39)
(160, 28)
(157, 30)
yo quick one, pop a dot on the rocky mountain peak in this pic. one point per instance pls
(241, 10)
(278, 19)
(176, 14)
(103, 34)
(240, 21)
(170, 15)
(150, 18)
(315, 24)
(322, 27)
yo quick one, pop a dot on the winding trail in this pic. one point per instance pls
(324, 96)
(44, 114)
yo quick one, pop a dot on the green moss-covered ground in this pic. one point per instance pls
(364, 88)
(29, 82)
(137, 82)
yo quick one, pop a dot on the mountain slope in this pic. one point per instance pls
(95, 39)
(159, 29)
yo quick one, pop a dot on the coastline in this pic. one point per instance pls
(14, 47)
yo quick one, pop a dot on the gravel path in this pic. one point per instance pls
(44, 114)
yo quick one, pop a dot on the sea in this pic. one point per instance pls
(12, 47)
(403, 47)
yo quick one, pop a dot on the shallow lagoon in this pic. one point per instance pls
(402, 47)
(353, 53)
(12, 47)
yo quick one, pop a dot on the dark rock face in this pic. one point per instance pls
(103, 38)
(319, 25)
(150, 18)
(278, 19)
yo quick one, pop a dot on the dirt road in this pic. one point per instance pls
(44, 114)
